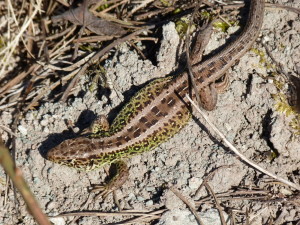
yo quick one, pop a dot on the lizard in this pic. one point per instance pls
(156, 112)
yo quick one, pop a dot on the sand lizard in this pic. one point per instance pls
(156, 112)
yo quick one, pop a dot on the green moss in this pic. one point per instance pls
(103, 7)
(97, 74)
(2, 42)
(295, 124)
(166, 3)
(176, 11)
(182, 25)
(223, 26)
(281, 102)
(282, 105)
(205, 14)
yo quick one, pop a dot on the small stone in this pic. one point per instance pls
(266, 39)
(51, 205)
(76, 130)
(285, 191)
(36, 180)
(194, 183)
(22, 130)
(149, 203)
(150, 189)
(58, 221)
(44, 122)
(140, 198)
(46, 130)
(131, 196)
(211, 217)
(192, 218)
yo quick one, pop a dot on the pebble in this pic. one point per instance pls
(131, 196)
(194, 183)
(58, 221)
(44, 122)
(150, 189)
(51, 205)
(46, 130)
(22, 130)
(149, 203)
(140, 198)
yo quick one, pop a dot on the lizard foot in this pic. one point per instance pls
(118, 179)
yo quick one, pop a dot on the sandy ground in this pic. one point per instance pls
(245, 113)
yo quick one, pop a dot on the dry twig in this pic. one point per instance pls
(98, 55)
(218, 206)
(190, 206)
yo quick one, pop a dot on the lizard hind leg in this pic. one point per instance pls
(209, 94)
(118, 178)
(222, 84)
(208, 97)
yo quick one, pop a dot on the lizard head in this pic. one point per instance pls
(76, 153)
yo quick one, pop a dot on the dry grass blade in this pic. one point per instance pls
(244, 158)
(42, 92)
(216, 202)
(70, 68)
(143, 4)
(15, 175)
(98, 55)
(114, 6)
(8, 130)
(237, 195)
(199, 55)
(209, 176)
(141, 215)
(93, 39)
(193, 210)
(268, 6)
(142, 219)
(19, 78)
(8, 51)
(279, 6)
